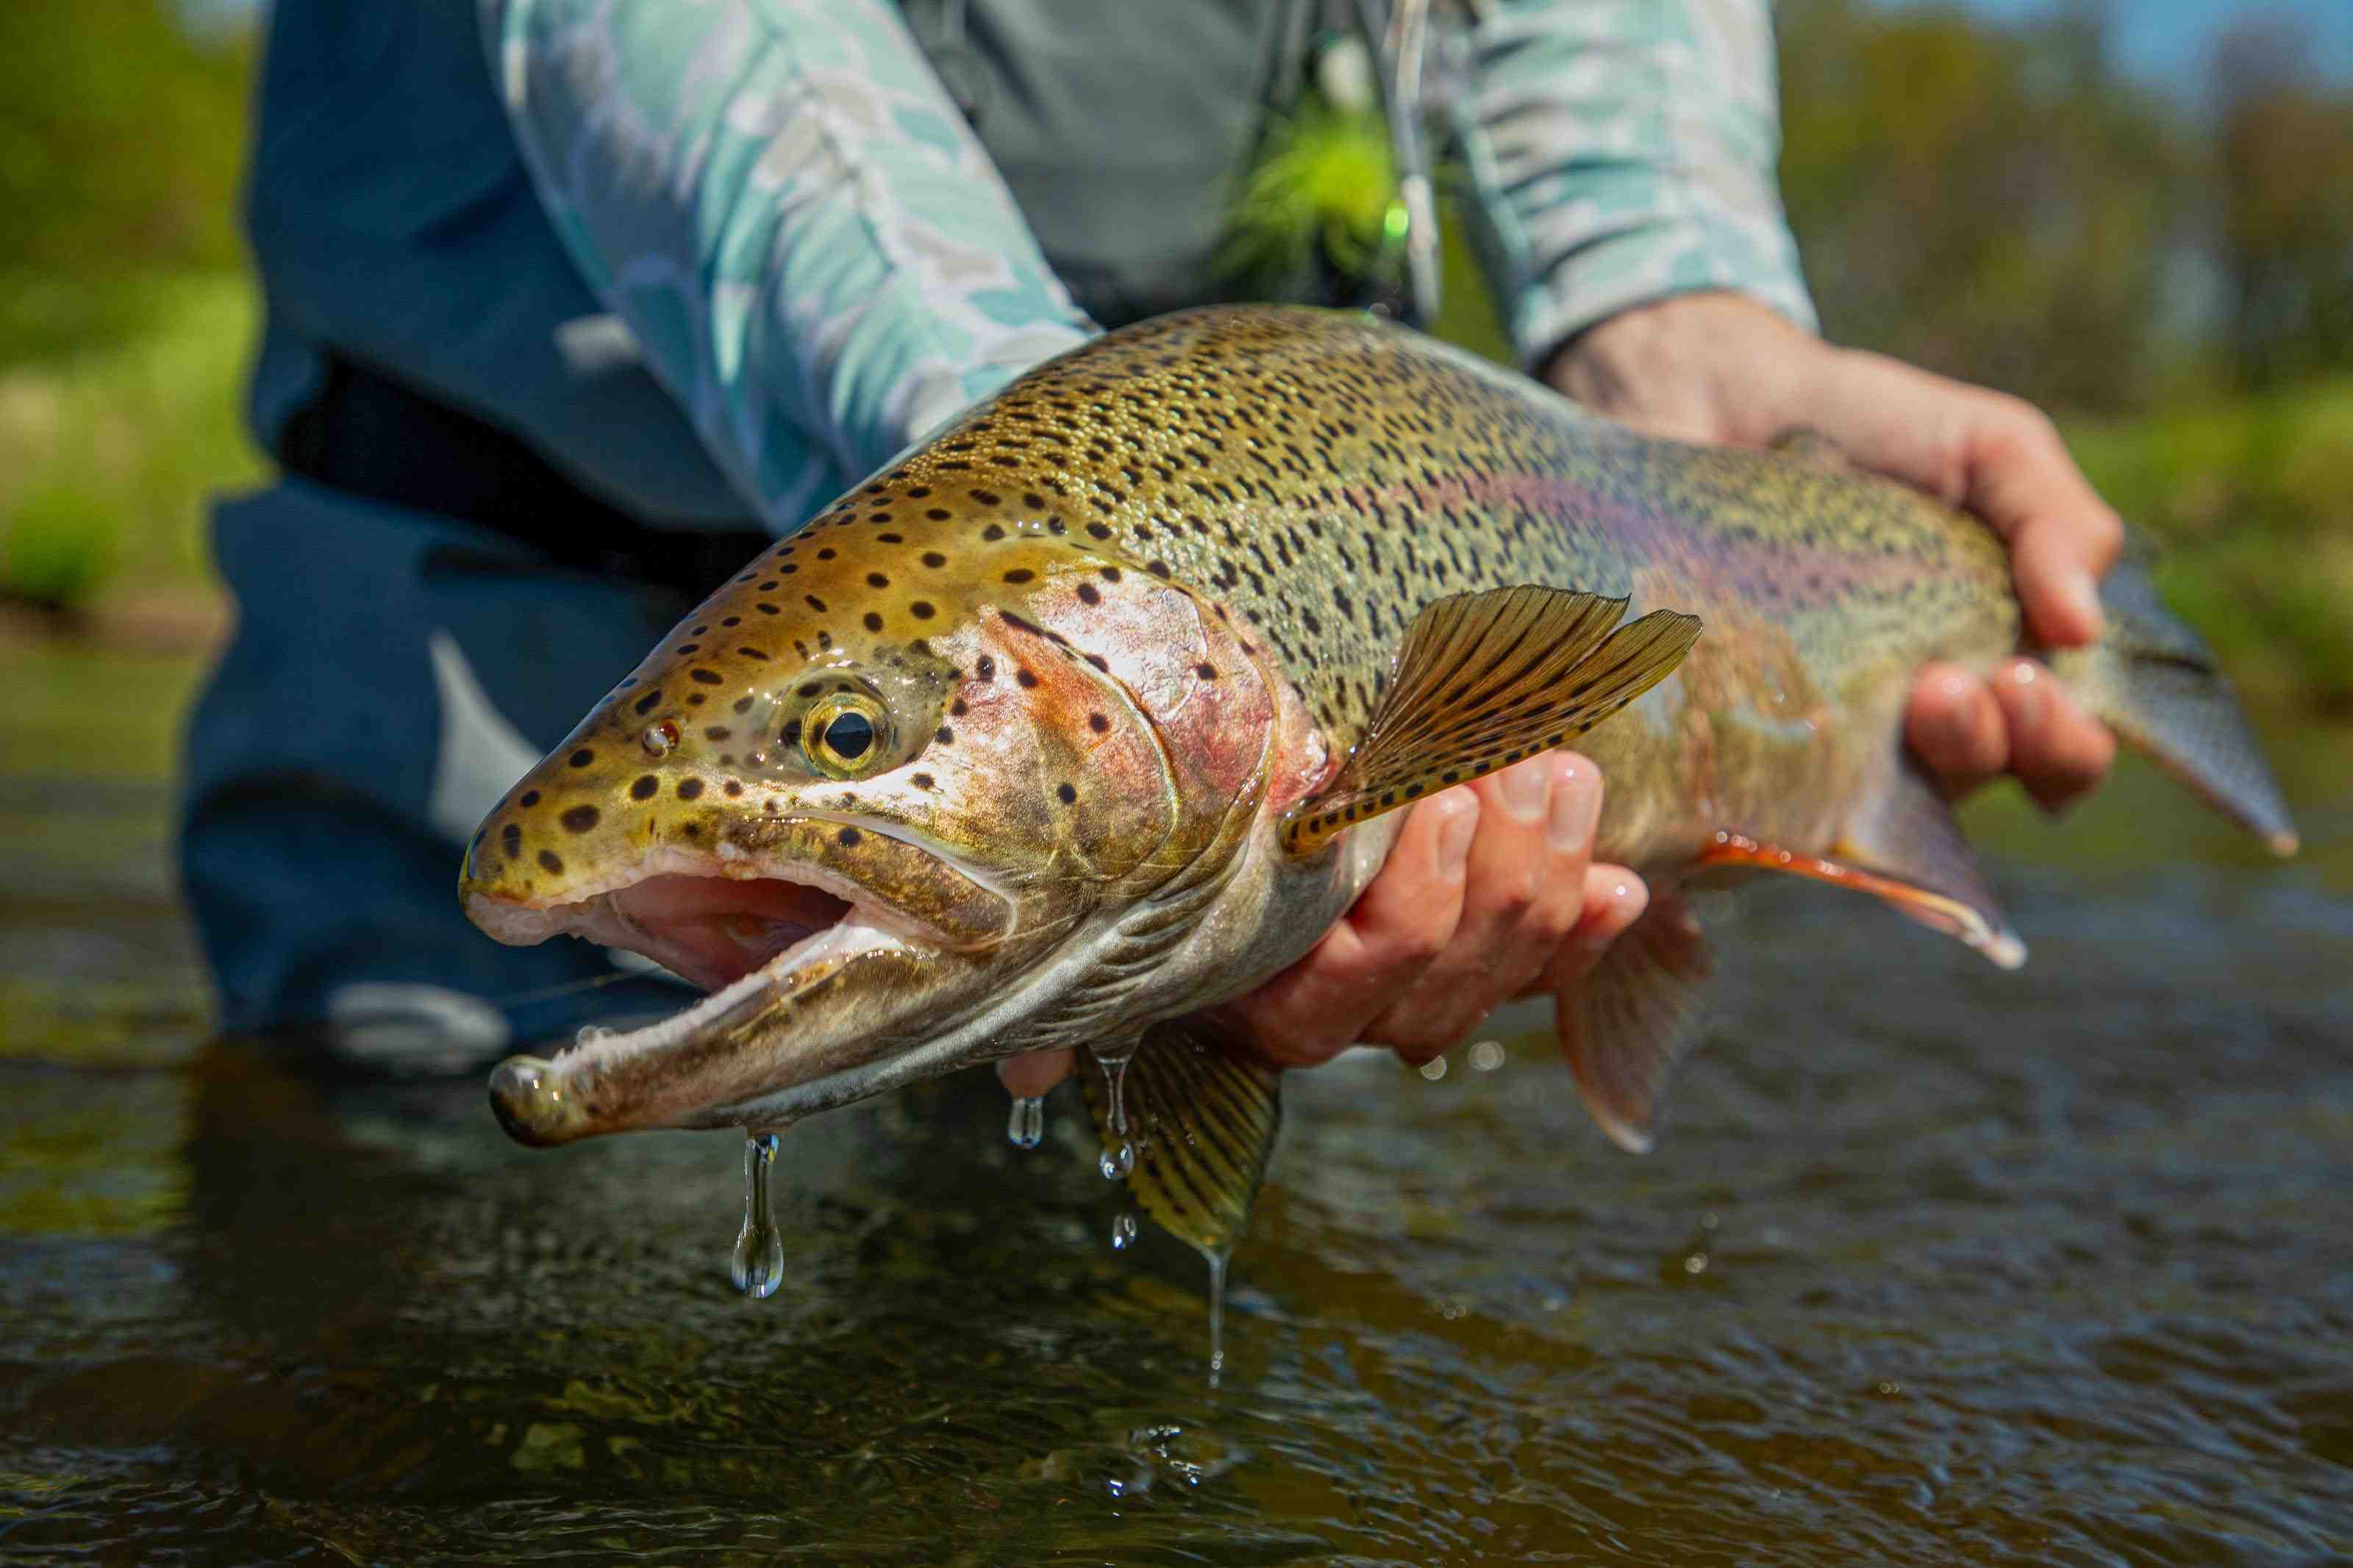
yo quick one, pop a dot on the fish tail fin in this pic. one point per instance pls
(2154, 681)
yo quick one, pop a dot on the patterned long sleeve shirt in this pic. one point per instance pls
(732, 255)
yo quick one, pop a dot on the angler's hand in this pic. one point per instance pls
(1490, 893)
(1721, 368)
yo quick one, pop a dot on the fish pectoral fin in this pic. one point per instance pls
(1484, 680)
(1625, 1025)
(1202, 1123)
(1905, 849)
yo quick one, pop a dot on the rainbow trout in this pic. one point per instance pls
(1097, 709)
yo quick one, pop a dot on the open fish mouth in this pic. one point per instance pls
(772, 938)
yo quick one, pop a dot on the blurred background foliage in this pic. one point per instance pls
(2167, 265)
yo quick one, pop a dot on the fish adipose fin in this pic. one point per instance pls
(1809, 445)
(1626, 1025)
(1907, 850)
(1201, 1123)
(1484, 680)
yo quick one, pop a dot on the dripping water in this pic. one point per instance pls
(759, 1263)
(1216, 1314)
(1026, 1128)
(1122, 1232)
(1119, 1161)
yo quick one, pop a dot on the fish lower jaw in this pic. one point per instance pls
(545, 1101)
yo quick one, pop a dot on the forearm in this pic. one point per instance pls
(777, 196)
(1622, 150)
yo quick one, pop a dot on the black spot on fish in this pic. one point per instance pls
(921, 781)
(933, 558)
(849, 838)
(715, 731)
(689, 789)
(874, 622)
(647, 704)
(702, 677)
(1065, 793)
(551, 861)
(1019, 575)
(580, 818)
(733, 789)
(531, 797)
(1089, 594)
(877, 580)
(944, 736)
(1024, 678)
(645, 786)
(1098, 723)
(922, 610)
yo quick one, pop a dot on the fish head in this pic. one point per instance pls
(876, 795)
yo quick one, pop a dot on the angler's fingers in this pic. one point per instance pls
(1032, 1074)
(1522, 893)
(1956, 728)
(2062, 537)
(1320, 1006)
(1611, 899)
(2056, 750)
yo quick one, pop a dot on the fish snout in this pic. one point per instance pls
(534, 1105)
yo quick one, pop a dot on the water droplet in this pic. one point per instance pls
(1026, 1128)
(1117, 1162)
(759, 1266)
(1434, 1069)
(1487, 1055)
(1123, 1233)
(1217, 1316)
(1115, 1086)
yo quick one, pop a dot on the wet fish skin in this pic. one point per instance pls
(1121, 618)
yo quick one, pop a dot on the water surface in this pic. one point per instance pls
(1933, 1265)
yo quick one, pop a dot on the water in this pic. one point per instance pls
(757, 1267)
(1932, 1265)
(1025, 1124)
(1118, 1160)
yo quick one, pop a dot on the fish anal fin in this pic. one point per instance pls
(1484, 680)
(1626, 1025)
(1202, 1123)
(1907, 850)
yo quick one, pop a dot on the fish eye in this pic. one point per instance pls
(845, 735)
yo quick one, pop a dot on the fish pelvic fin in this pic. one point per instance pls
(1626, 1023)
(1484, 680)
(2154, 681)
(1201, 1123)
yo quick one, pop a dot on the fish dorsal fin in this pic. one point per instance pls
(1626, 1025)
(1202, 1123)
(1904, 849)
(1484, 680)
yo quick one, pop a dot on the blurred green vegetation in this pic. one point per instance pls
(2171, 272)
